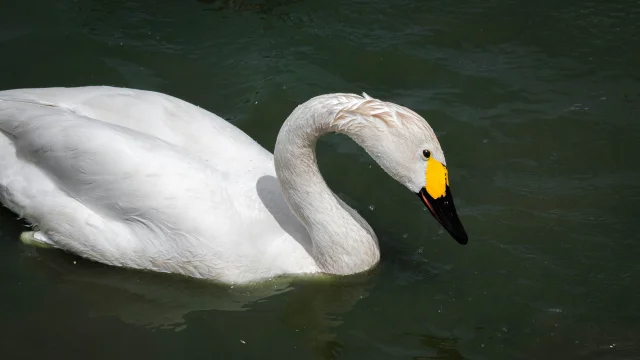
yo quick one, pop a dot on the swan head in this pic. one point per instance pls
(406, 147)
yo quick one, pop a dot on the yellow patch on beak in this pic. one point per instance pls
(437, 178)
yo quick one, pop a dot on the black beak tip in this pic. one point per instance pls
(443, 209)
(461, 238)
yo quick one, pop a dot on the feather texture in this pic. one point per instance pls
(144, 180)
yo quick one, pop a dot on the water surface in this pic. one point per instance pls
(536, 105)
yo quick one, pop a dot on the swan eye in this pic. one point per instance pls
(426, 154)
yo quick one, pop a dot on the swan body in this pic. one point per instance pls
(144, 180)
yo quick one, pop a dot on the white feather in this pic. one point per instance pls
(144, 180)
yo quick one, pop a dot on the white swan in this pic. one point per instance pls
(144, 180)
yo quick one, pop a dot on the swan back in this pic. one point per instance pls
(144, 180)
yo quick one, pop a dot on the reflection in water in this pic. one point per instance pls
(318, 308)
(445, 348)
(146, 298)
(163, 301)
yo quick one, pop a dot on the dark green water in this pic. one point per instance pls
(537, 106)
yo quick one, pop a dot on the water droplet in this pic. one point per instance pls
(405, 235)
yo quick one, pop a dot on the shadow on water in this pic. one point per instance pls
(164, 301)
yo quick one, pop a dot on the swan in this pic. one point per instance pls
(144, 180)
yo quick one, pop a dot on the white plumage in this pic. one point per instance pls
(144, 180)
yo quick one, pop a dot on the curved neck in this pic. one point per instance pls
(343, 242)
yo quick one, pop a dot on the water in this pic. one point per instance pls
(537, 108)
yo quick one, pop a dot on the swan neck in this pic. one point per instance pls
(343, 242)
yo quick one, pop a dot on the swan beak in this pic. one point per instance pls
(444, 211)
(436, 195)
